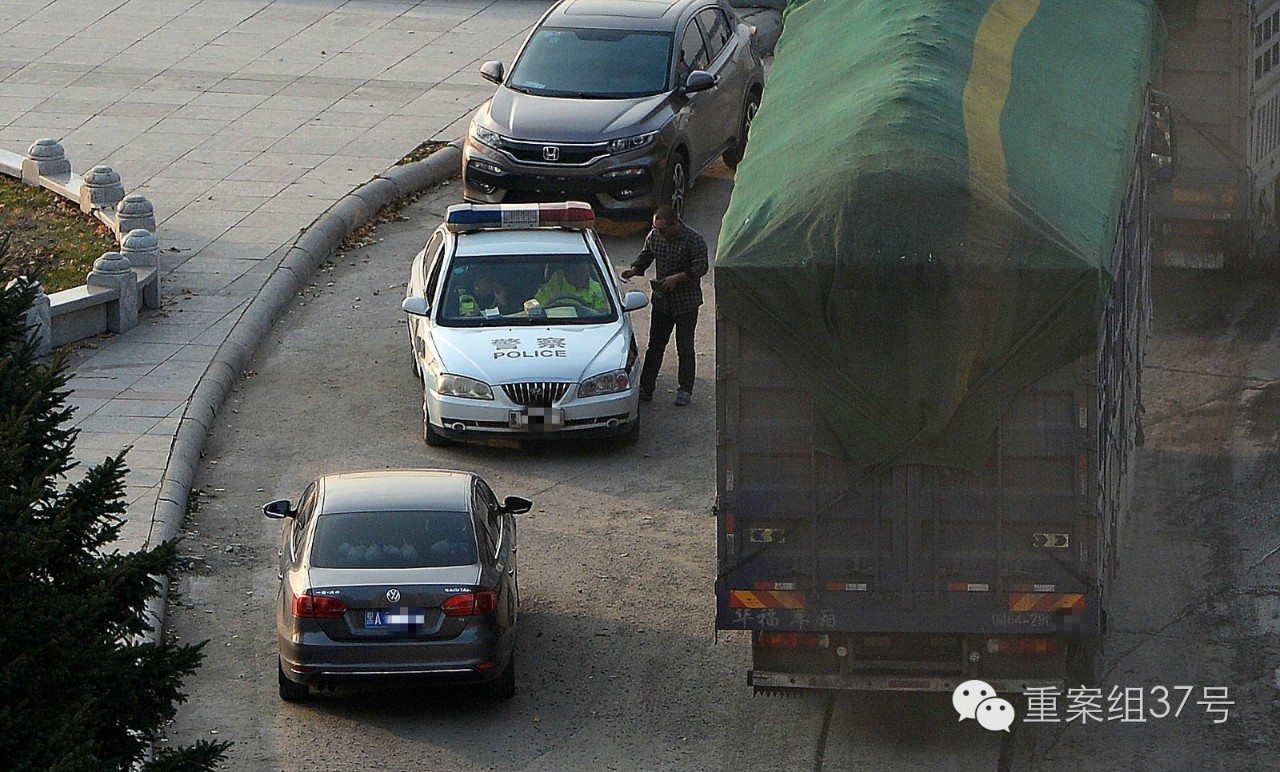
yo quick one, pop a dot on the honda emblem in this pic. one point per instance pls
(550, 153)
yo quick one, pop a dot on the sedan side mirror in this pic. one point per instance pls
(416, 305)
(634, 301)
(278, 509)
(516, 505)
(699, 80)
(493, 72)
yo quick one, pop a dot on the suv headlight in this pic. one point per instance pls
(611, 382)
(485, 136)
(631, 143)
(461, 386)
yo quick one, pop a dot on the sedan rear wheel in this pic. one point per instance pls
(504, 688)
(289, 690)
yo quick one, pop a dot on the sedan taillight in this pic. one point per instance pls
(471, 604)
(318, 607)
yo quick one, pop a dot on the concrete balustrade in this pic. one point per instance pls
(121, 283)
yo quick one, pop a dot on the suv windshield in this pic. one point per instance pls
(593, 63)
(507, 290)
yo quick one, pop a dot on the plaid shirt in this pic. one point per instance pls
(685, 252)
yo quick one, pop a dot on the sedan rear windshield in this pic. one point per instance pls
(393, 540)
(593, 64)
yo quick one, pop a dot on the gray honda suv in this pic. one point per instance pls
(621, 103)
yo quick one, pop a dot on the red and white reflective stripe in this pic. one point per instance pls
(968, 587)
(1035, 588)
(849, 587)
(775, 586)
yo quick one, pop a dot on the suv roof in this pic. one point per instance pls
(661, 15)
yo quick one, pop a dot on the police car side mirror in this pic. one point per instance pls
(634, 301)
(416, 305)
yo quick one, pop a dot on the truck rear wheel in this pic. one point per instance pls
(1081, 665)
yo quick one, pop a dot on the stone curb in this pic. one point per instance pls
(316, 244)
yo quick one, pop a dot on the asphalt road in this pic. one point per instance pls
(620, 667)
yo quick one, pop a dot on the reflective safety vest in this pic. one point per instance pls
(592, 296)
(467, 303)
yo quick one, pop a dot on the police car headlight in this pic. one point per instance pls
(462, 386)
(606, 383)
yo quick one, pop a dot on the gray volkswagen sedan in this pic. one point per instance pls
(620, 103)
(394, 576)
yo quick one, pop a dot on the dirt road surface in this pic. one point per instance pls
(619, 665)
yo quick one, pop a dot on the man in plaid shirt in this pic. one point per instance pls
(681, 257)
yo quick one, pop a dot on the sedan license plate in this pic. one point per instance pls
(383, 618)
(537, 419)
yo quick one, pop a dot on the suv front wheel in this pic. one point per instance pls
(677, 183)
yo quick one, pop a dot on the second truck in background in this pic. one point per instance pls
(1221, 75)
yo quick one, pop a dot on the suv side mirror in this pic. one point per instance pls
(699, 80)
(1164, 156)
(493, 72)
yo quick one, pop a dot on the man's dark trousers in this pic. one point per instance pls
(660, 327)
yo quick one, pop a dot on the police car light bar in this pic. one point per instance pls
(469, 217)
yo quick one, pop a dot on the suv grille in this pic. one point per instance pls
(568, 155)
(535, 393)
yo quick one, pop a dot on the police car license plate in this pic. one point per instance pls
(537, 419)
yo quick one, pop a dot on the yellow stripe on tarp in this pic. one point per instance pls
(985, 93)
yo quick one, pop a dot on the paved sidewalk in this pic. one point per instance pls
(263, 132)
(243, 121)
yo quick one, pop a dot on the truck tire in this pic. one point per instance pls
(1081, 665)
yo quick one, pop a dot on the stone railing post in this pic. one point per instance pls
(45, 158)
(113, 270)
(134, 211)
(142, 249)
(102, 189)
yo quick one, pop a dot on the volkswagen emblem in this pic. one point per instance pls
(550, 153)
(393, 595)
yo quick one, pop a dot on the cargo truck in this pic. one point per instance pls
(1221, 74)
(932, 302)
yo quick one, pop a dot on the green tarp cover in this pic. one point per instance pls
(924, 220)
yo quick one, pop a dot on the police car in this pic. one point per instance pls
(518, 328)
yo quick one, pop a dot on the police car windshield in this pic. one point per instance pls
(509, 290)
